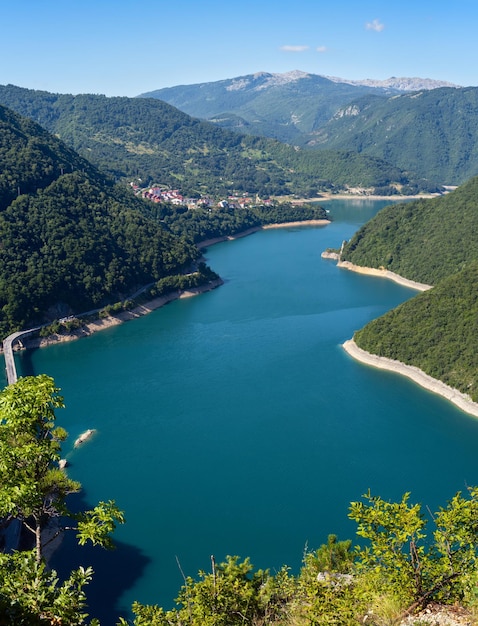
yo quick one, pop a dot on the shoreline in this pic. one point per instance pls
(89, 328)
(459, 399)
(255, 229)
(371, 271)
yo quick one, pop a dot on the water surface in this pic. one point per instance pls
(234, 422)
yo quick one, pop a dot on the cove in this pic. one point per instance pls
(235, 423)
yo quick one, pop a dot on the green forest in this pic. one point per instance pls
(431, 132)
(423, 240)
(434, 242)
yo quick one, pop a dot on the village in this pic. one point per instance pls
(158, 194)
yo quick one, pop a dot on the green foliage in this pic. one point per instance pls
(436, 331)
(98, 524)
(33, 492)
(402, 560)
(32, 595)
(231, 594)
(400, 569)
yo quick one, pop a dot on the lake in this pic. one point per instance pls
(235, 423)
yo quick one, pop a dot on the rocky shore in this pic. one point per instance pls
(461, 400)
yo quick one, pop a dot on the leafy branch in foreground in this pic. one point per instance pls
(33, 494)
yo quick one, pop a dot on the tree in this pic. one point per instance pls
(403, 560)
(33, 492)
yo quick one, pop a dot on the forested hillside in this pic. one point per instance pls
(433, 133)
(31, 158)
(70, 238)
(435, 242)
(436, 331)
(424, 240)
(133, 138)
(430, 132)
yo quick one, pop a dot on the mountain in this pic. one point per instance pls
(422, 126)
(282, 106)
(71, 239)
(399, 84)
(433, 133)
(132, 138)
(435, 242)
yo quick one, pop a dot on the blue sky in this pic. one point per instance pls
(127, 47)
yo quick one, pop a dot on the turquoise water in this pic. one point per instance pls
(234, 422)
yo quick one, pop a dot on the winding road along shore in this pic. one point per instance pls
(461, 400)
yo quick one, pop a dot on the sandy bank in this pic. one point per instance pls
(363, 196)
(249, 231)
(461, 400)
(380, 273)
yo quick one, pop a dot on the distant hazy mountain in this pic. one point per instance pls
(282, 106)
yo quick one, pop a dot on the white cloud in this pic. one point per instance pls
(375, 25)
(321, 49)
(294, 48)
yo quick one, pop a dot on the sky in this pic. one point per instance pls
(128, 47)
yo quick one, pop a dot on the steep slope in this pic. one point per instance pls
(424, 240)
(74, 240)
(151, 140)
(433, 133)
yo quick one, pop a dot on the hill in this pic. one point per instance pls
(132, 138)
(435, 242)
(423, 240)
(433, 133)
(71, 239)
